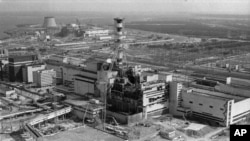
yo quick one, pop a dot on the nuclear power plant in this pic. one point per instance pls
(94, 81)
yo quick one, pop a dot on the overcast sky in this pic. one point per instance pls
(170, 6)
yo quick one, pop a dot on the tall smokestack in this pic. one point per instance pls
(49, 22)
(118, 28)
(118, 37)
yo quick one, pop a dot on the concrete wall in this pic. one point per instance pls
(120, 118)
(58, 69)
(238, 81)
(68, 73)
(125, 119)
(240, 108)
(81, 114)
(28, 72)
(44, 77)
(58, 58)
(157, 106)
(153, 95)
(36, 77)
(232, 90)
(175, 89)
(81, 87)
(134, 118)
(158, 112)
(204, 104)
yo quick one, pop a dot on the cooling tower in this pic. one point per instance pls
(49, 22)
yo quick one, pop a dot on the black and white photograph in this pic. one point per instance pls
(124, 70)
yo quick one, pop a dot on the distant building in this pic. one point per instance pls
(50, 25)
(28, 71)
(16, 63)
(58, 58)
(96, 32)
(67, 60)
(44, 78)
(104, 38)
(4, 52)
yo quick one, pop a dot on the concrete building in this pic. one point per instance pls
(155, 96)
(28, 71)
(174, 97)
(44, 78)
(238, 82)
(96, 32)
(57, 58)
(213, 106)
(77, 73)
(4, 52)
(60, 63)
(84, 84)
(67, 60)
(85, 109)
(70, 72)
(16, 63)
(138, 96)
(132, 93)
(104, 38)
(6, 91)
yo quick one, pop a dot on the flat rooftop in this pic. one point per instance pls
(195, 126)
(69, 65)
(215, 94)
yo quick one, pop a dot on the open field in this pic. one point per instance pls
(236, 28)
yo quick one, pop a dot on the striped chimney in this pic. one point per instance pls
(118, 28)
(118, 37)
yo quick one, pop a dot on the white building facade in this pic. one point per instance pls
(44, 78)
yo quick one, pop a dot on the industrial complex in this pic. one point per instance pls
(112, 83)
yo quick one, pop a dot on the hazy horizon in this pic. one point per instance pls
(129, 6)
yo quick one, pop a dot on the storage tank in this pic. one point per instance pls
(49, 22)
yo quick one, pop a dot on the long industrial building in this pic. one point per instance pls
(212, 103)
